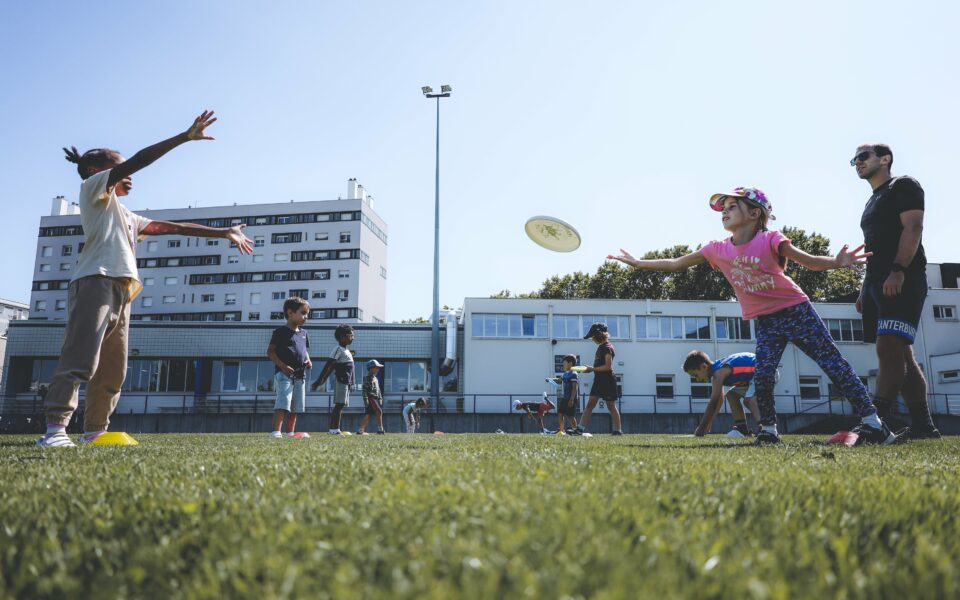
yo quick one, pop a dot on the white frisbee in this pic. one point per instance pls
(552, 233)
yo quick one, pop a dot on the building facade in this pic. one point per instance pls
(10, 310)
(331, 252)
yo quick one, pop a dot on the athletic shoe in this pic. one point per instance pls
(276, 435)
(918, 433)
(362, 433)
(59, 439)
(561, 432)
(765, 438)
(578, 430)
(867, 434)
(585, 434)
(742, 429)
(548, 431)
(616, 432)
(381, 432)
(88, 438)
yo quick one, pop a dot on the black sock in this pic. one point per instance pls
(884, 407)
(920, 415)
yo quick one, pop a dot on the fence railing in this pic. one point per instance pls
(257, 403)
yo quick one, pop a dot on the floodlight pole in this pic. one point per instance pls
(435, 339)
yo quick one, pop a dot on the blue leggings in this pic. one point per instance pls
(801, 325)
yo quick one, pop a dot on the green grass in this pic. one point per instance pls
(478, 516)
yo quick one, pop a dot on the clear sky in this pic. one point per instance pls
(618, 117)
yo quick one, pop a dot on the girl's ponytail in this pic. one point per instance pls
(91, 158)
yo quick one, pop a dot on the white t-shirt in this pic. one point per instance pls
(343, 367)
(111, 231)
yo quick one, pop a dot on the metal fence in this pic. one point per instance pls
(240, 403)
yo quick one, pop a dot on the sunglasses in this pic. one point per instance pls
(862, 157)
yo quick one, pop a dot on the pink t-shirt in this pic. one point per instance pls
(753, 269)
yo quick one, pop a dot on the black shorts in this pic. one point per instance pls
(564, 408)
(604, 387)
(897, 315)
(372, 408)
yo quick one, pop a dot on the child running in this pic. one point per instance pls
(289, 350)
(411, 414)
(106, 281)
(734, 372)
(341, 363)
(604, 383)
(372, 398)
(541, 408)
(753, 261)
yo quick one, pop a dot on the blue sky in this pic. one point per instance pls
(619, 117)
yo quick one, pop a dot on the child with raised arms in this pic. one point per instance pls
(106, 281)
(753, 259)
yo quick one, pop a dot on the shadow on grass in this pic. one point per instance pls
(18, 444)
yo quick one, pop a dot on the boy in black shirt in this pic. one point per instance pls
(289, 351)
(891, 299)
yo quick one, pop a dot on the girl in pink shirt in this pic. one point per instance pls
(753, 259)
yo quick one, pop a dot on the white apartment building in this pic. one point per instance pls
(331, 252)
(10, 310)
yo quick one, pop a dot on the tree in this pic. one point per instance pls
(416, 320)
(820, 285)
(575, 285)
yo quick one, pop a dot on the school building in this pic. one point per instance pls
(503, 350)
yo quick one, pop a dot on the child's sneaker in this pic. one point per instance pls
(59, 439)
(381, 432)
(742, 429)
(276, 435)
(918, 433)
(561, 432)
(616, 432)
(867, 434)
(765, 438)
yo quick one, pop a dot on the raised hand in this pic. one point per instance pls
(624, 257)
(849, 258)
(235, 235)
(199, 124)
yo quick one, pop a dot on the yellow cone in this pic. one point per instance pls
(114, 438)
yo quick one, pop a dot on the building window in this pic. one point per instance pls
(173, 243)
(46, 251)
(44, 268)
(558, 362)
(699, 390)
(673, 328)
(834, 393)
(279, 295)
(617, 326)
(281, 257)
(229, 299)
(284, 219)
(345, 254)
(665, 387)
(40, 305)
(253, 316)
(343, 295)
(211, 242)
(286, 238)
(255, 298)
(169, 299)
(508, 325)
(298, 294)
(845, 330)
(809, 388)
(277, 314)
(281, 276)
(321, 237)
(344, 237)
(169, 281)
(733, 328)
(65, 266)
(319, 294)
(255, 277)
(61, 305)
(151, 245)
(148, 281)
(147, 301)
(66, 250)
(383, 272)
(233, 259)
(343, 274)
(943, 312)
(257, 258)
(43, 285)
(258, 241)
(260, 221)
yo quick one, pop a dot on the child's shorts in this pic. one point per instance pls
(291, 393)
(341, 394)
(373, 408)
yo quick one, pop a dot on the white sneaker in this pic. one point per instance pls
(59, 439)
(276, 435)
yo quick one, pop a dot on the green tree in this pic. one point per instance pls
(575, 285)
(820, 285)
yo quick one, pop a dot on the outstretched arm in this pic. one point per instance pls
(327, 369)
(713, 407)
(149, 154)
(667, 265)
(234, 234)
(844, 258)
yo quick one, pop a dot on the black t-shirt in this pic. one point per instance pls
(601, 359)
(882, 227)
(291, 347)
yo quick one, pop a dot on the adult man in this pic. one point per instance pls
(891, 299)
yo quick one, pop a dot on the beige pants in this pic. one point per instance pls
(94, 352)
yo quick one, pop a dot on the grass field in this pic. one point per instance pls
(478, 516)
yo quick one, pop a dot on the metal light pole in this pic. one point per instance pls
(445, 91)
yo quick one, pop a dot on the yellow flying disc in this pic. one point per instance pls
(579, 369)
(552, 233)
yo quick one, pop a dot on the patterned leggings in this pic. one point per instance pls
(801, 325)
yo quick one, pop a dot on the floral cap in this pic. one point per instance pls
(752, 195)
